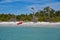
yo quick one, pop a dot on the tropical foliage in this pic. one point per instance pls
(47, 14)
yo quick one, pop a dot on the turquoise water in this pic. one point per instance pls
(29, 33)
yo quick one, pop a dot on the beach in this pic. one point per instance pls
(30, 24)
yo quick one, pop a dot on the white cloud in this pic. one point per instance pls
(31, 1)
(55, 6)
(4, 1)
(17, 0)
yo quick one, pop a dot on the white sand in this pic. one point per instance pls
(30, 24)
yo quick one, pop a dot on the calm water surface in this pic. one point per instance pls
(29, 33)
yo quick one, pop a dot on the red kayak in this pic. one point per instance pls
(19, 23)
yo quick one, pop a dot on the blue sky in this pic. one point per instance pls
(24, 6)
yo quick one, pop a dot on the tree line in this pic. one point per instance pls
(47, 14)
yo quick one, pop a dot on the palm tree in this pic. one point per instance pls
(34, 19)
(47, 13)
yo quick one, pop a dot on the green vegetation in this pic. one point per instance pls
(47, 14)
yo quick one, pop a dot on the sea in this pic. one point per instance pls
(29, 33)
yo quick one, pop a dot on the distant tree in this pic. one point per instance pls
(58, 13)
(47, 14)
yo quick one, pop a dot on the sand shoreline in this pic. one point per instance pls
(30, 23)
(42, 24)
